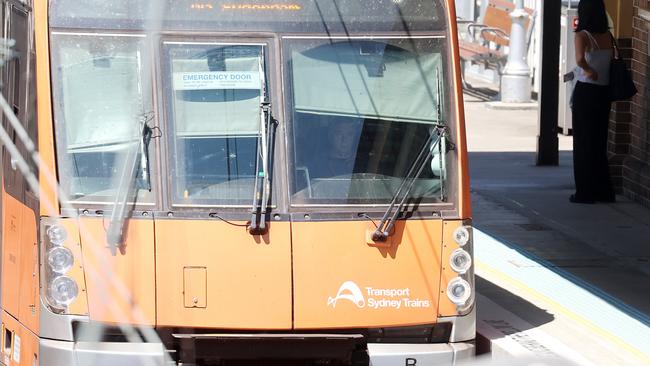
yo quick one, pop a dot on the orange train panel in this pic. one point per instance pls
(465, 209)
(341, 281)
(28, 312)
(48, 191)
(246, 279)
(23, 347)
(120, 288)
(20, 287)
(11, 246)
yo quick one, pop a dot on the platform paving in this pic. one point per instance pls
(578, 275)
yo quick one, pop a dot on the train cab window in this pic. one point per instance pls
(213, 95)
(361, 111)
(99, 105)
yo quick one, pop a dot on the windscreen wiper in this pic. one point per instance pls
(435, 141)
(128, 186)
(263, 178)
(385, 226)
(265, 148)
(145, 172)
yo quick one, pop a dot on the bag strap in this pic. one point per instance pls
(594, 44)
(615, 46)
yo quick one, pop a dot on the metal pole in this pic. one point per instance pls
(465, 9)
(515, 81)
(547, 141)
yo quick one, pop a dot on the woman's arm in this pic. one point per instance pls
(581, 43)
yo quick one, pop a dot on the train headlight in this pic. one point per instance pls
(460, 261)
(57, 234)
(61, 280)
(459, 291)
(60, 259)
(462, 235)
(62, 291)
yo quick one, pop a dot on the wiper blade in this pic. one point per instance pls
(437, 136)
(138, 156)
(145, 172)
(263, 187)
(265, 149)
(385, 226)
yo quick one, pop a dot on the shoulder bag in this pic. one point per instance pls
(620, 80)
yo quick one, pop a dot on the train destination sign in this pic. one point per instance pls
(216, 80)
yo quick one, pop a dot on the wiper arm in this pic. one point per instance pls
(385, 226)
(145, 172)
(127, 187)
(434, 141)
(263, 188)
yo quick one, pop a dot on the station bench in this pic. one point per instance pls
(485, 41)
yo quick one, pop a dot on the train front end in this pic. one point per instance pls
(253, 181)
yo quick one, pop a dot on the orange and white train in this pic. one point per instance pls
(218, 182)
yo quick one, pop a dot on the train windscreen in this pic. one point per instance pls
(361, 112)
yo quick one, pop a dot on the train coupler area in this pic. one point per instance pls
(269, 349)
(307, 349)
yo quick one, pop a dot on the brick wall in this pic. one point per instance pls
(630, 133)
(619, 126)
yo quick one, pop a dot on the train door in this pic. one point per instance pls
(211, 272)
(361, 111)
(20, 203)
(16, 24)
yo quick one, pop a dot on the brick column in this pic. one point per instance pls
(618, 146)
(636, 164)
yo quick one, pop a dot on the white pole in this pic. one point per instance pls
(515, 81)
(465, 9)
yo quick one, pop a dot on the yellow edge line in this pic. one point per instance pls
(556, 307)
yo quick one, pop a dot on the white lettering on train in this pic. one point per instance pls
(377, 298)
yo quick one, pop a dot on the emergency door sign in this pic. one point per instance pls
(216, 80)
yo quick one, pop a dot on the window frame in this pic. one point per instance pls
(448, 112)
(270, 44)
(59, 126)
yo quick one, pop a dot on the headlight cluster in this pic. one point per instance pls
(460, 288)
(60, 289)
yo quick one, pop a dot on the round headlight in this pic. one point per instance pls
(63, 290)
(57, 234)
(460, 261)
(60, 259)
(461, 235)
(459, 291)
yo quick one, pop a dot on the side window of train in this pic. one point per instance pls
(15, 93)
(30, 120)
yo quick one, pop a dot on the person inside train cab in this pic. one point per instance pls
(339, 150)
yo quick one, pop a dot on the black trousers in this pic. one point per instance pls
(591, 107)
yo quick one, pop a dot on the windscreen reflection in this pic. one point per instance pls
(361, 112)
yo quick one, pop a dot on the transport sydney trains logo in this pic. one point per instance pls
(376, 298)
(348, 291)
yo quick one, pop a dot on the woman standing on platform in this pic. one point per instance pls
(591, 105)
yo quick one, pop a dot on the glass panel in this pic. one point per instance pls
(214, 95)
(365, 79)
(98, 106)
(361, 111)
(260, 15)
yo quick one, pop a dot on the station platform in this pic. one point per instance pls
(557, 282)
